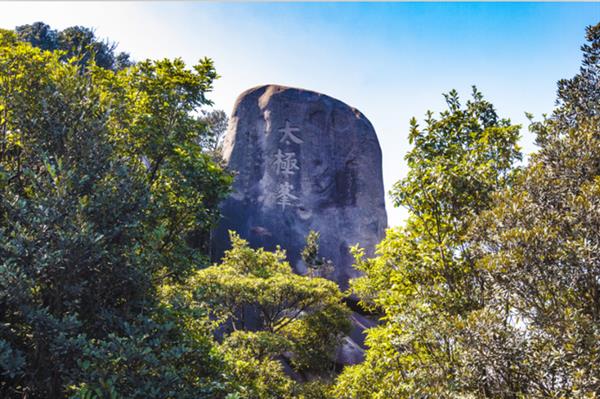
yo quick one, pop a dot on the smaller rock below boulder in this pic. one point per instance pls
(349, 353)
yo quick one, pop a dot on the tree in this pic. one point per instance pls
(424, 280)
(105, 195)
(157, 132)
(39, 35)
(317, 266)
(540, 242)
(75, 41)
(269, 317)
(216, 121)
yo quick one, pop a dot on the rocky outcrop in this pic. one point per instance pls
(303, 161)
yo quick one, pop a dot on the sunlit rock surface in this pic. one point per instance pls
(304, 161)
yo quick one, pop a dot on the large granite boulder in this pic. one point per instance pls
(303, 161)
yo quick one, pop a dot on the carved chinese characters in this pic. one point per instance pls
(285, 163)
(286, 166)
(288, 134)
(284, 194)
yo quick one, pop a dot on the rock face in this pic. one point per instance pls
(303, 161)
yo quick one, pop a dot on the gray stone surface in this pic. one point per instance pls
(349, 353)
(303, 161)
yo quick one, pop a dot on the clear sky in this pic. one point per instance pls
(392, 61)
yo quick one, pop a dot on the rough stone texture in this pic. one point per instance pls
(303, 161)
(349, 353)
(360, 324)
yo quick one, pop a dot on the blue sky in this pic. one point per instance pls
(392, 61)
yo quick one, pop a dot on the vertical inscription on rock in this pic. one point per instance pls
(286, 166)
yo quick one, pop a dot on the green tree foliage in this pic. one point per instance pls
(105, 195)
(317, 266)
(158, 133)
(269, 316)
(76, 41)
(492, 287)
(425, 280)
(212, 143)
(540, 246)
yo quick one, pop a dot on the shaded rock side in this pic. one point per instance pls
(303, 161)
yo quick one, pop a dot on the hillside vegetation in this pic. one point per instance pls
(110, 182)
